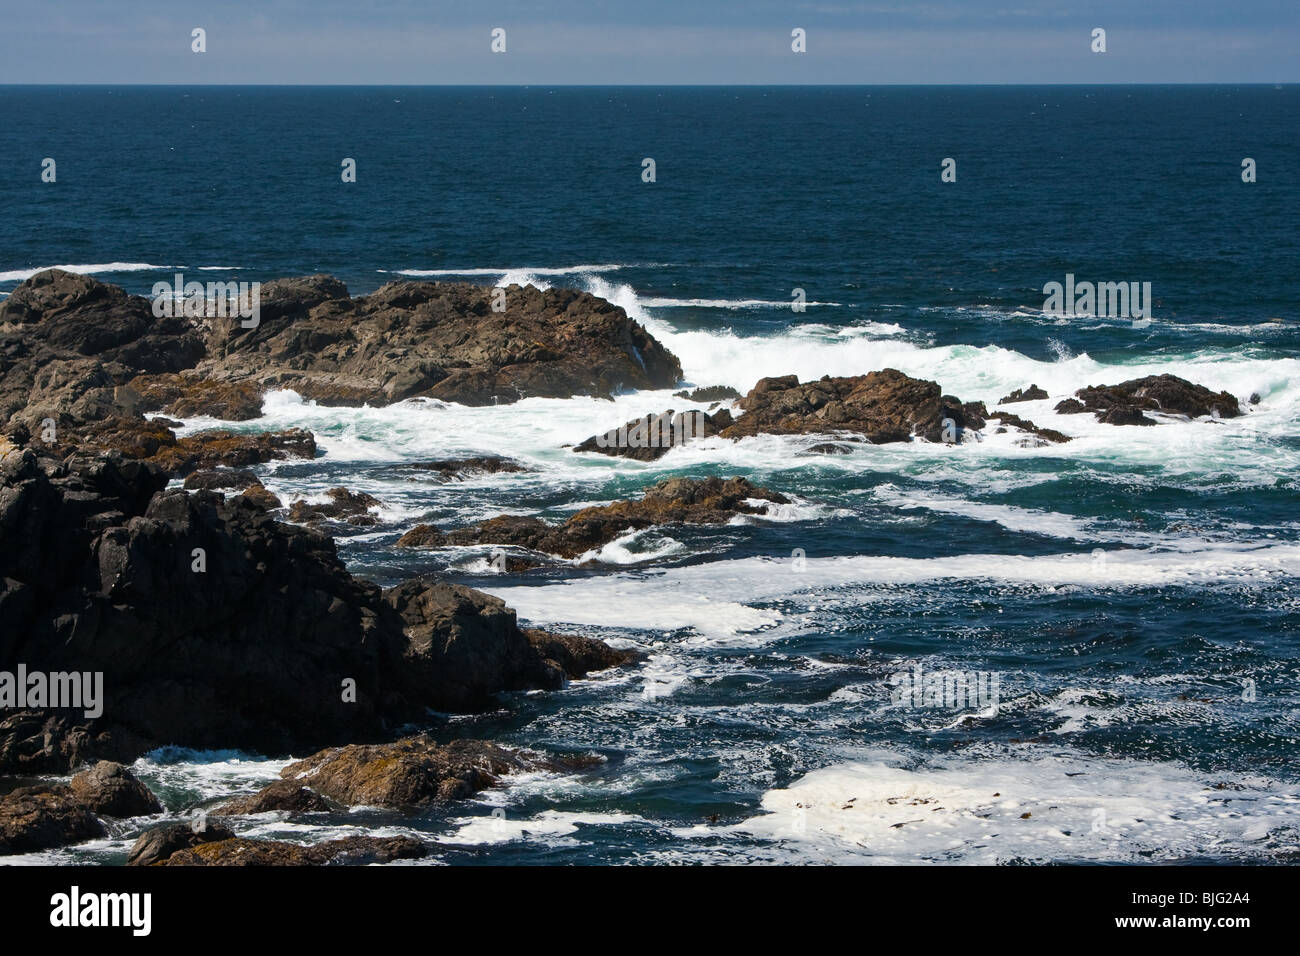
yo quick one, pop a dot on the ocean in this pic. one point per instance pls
(1131, 595)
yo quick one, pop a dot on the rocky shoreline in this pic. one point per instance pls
(221, 617)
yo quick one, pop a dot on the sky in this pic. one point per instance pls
(655, 42)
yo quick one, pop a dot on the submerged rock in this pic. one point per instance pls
(710, 393)
(458, 469)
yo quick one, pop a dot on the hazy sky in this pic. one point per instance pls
(652, 42)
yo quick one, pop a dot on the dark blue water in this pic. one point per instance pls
(1133, 590)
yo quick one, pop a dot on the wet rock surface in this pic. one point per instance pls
(673, 501)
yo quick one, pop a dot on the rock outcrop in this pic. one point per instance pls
(1031, 394)
(43, 817)
(883, 406)
(349, 851)
(459, 469)
(46, 816)
(282, 796)
(214, 625)
(673, 501)
(353, 507)
(1125, 403)
(408, 773)
(161, 842)
(111, 790)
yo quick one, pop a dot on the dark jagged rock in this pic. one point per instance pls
(652, 436)
(883, 406)
(710, 393)
(282, 796)
(161, 842)
(673, 501)
(465, 646)
(1030, 394)
(422, 536)
(349, 851)
(578, 656)
(111, 790)
(1048, 434)
(458, 469)
(350, 506)
(1122, 404)
(1123, 415)
(98, 573)
(1070, 406)
(408, 773)
(68, 343)
(830, 448)
(43, 817)
(220, 479)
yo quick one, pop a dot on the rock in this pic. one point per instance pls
(111, 790)
(96, 574)
(422, 536)
(406, 774)
(210, 449)
(284, 796)
(219, 479)
(1123, 415)
(1070, 406)
(161, 842)
(830, 448)
(349, 506)
(578, 656)
(1030, 394)
(154, 442)
(260, 498)
(711, 393)
(442, 341)
(1163, 393)
(1047, 434)
(652, 436)
(466, 646)
(458, 469)
(349, 851)
(883, 406)
(186, 395)
(43, 817)
(673, 501)
(78, 353)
